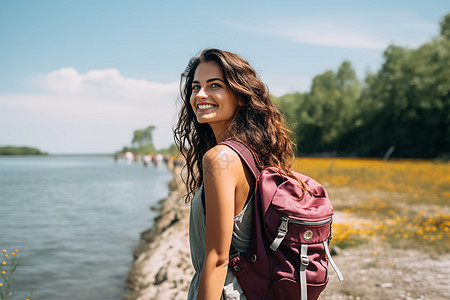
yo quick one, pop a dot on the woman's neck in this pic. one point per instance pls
(220, 137)
(220, 133)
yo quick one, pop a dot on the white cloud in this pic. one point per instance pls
(374, 31)
(98, 102)
(322, 34)
(105, 83)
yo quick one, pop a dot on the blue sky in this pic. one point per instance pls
(80, 76)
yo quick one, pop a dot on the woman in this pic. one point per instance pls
(224, 98)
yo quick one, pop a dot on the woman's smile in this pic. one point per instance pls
(204, 107)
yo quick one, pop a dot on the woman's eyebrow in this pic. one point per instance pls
(214, 79)
(209, 80)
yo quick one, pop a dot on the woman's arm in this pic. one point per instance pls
(222, 171)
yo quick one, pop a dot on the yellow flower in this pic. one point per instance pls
(13, 253)
(4, 263)
(17, 250)
(6, 255)
(1, 284)
(3, 272)
(4, 251)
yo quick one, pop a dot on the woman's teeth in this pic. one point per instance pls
(205, 106)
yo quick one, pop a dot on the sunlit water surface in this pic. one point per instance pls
(75, 221)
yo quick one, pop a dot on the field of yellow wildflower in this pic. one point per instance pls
(402, 202)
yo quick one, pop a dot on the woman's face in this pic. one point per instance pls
(212, 100)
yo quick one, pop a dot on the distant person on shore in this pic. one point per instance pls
(129, 157)
(224, 98)
(146, 159)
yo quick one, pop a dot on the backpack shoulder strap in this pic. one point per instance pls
(245, 154)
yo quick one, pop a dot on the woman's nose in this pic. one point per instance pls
(201, 94)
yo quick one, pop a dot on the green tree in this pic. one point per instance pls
(143, 139)
(409, 100)
(328, 111)
(445, 26)
(289, 105)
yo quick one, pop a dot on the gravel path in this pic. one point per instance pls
(375, 272)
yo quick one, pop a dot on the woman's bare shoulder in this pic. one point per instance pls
(221, 158)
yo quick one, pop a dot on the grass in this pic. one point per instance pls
(402, 202)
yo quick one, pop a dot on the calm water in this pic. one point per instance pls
(75, 221)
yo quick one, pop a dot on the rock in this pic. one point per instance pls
(162, 268)
(161, 276)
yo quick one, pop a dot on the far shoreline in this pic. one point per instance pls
(9, 150)
(60, 155)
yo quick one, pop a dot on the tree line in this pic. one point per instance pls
(406, 104)
(15, 150)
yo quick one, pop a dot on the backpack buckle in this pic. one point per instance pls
(284, 224)
(304, 260)
(282, 230)
(233, 251)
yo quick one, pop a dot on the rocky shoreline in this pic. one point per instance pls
(162, 268)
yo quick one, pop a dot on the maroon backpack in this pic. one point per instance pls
(288, 257)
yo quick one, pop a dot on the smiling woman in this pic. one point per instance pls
(223, 98)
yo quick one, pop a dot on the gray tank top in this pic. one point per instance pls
(242, 233)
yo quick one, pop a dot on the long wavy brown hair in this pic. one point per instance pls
(257, 124)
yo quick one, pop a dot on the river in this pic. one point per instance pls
(75, 221)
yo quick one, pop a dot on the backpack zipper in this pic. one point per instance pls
(285, 220)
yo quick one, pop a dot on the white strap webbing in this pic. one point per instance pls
(304, 262)
(282, 230)
(335, 267)
(277, 241)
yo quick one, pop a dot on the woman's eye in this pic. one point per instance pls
(196, 88)
(215, 85)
